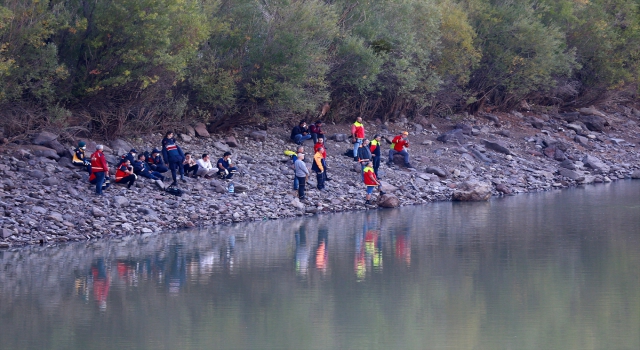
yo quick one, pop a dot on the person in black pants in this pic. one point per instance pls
(125, 175)
(375, 153)
(174, 156)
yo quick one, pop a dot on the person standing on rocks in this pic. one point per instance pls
(399, 145)
(301, 173)
(294, 157)
(99, 168)
(205, 168)
(374, 148)
(79, 157)
(300, 133)
(364, 156)
(156, 163)
(371, 181)
(357, 135)
(173, 156)
(318, 145)
(225, 167)
(319, 166)
(125, 175)
(316, 132)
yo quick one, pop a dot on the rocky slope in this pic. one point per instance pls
(44, 198)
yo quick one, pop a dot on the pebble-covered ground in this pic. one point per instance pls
(44, 198)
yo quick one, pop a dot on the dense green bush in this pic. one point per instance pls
(115, 66)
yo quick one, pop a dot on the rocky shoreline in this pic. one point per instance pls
(45, 199)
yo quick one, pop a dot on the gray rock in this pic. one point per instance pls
(51, 181)
(504, 132)
(480, 156)
(41, 151)
(497, 146)
(595, 164)
(570, 174)
(44, 138)
(466, 129)
(502, 188)
(297, 204)
(65, 162)
(5, 233)
(259, 135)
(120, 202)
(201, 130)
(38, 210)
(388, 200)
(492, 117)
(570, 116)
(190, 130)
(185, 137)
(635, 174)
(618, 142)
(221, 146)
(568, 164)
(387, 187)
(582, 141)
(357, 168)
(559, 155)
(591, 111)
(452, 136)
(59, 148)
(436, 171)
(55, 216)
(121, 145)
(232, 142)
(37, 174)
(593, 122)
(575, 127)
(472, 191)
(98, 213)
(339, 137)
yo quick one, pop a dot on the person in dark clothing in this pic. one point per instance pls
(316, 132)
(300, 133)
(140, 167)
(131, 156)
(79, 157)
(319, 167)
(156, 163)
(173, 155)
(225, 167)
(375, 153)
(124, 174)
(364, 155)
(190, 165)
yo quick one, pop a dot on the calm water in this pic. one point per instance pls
(558, 270)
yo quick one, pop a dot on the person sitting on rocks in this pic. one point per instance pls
(79, 157)
(316, 132)
(318, 145)
(371, 181)
(375, 150)
(156, 163)
(364, 155)
(173, 155)
(205, 168)
(131, 156)
(140, 167)
(190, 165)
(399, 145)
(99, 168)
(301, 173)
(300, 133)
(225, 167)
(124, 174)
(319, 166)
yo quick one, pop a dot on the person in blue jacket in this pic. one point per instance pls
(140, 167)
(174, 156)
(156, 163)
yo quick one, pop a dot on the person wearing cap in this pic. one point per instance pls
(318, 165)
(399, 145)
(156, 163)
(371, 181)
(316, 132)
(190, 165)
(364, 155)
(79, 157)
(140, 167)
(225, 167)
(374, 148)
(131, 156)
(205, 168)
(357, 135)
(173, 155)
(124, 174)
(300, 133)
(99, 168)
(301, 173)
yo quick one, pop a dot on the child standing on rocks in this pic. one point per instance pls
(371, 181)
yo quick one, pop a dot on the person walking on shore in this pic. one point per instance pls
(99, 168)
(357, 135)
(301, 173)
(174, 156)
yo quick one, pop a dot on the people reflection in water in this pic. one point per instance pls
(402, 246)
(302, 252)
(101, 282)
(368, 250)
(227, 254)
(177, 274)
(322, 253)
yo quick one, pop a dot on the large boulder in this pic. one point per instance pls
(259, 135)
(221, 146)
(497, 146)
(595, 164)
(387, 187)
(43, 138)
(41, 151)
(120, 146)
(388, 201)
(571, 174)
(593, 122)
(232, 142)
(201, 130)
(472, 191)
(591, 111)
(635, 174)
(452, 136)
(60, 148)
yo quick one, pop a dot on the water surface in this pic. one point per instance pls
(557, 270)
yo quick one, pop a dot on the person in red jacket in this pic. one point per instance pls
(316, 147)
(124, 174)
(357, 136)
(371, 181)
(399, 145)
(99, 168)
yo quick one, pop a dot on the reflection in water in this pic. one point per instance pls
(551, 271)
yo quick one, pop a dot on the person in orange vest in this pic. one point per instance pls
(99, 168)
(79, 157)
(371, 181)
(319, 166)
(398, 146)
(357, 135)
(316, 147)
(124, 174)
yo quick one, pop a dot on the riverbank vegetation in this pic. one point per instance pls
(113, 67)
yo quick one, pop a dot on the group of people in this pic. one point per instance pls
(151, 165)
(367, 153)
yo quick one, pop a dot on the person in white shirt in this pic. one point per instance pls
(205, 169)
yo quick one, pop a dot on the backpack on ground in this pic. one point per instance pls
(174, 190)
